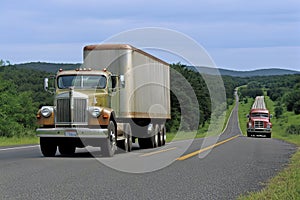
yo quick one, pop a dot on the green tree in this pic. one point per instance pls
(4, 63)
(278, 111)
(297, 107)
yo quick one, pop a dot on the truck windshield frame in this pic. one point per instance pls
(262, 115)
(82, 81)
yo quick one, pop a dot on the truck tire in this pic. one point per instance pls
(163, 134)
(65, 149)
(268, 135)
(48, 147)
(160, 138)
(109, 145)
(126, 144)
(155, 140)
(129, 136)
(159, 135)
(248, 134)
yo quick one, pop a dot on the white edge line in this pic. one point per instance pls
(17, 148)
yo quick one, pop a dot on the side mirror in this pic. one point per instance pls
(248, 116)
(122, 81)
(46, 84)
(51, 90)
(271, 116)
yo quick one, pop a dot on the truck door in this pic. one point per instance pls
(114, 93)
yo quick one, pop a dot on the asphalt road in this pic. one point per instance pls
(231, 168)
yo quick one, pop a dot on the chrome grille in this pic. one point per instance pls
(80, 110)
(259, 124)
(64, 113)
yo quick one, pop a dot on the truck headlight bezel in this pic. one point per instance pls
(95, 111)
(46, 111)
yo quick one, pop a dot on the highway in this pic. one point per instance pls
(232, 166)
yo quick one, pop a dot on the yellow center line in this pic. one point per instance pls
(156, 152)
(205, 149)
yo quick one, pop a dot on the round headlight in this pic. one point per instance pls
(95, 112)
(249, 125)
(46, 111)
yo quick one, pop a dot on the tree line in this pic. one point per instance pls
(21, 94)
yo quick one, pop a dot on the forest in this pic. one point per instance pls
(284, 90)
(22, 94)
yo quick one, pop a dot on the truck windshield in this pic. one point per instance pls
(82, 81)
(260, 115)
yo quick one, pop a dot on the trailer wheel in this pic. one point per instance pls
(129, 136)
(65, 149)
(163, 134)
(160, 137)
(109, 146)
(48, 147)
(157, 138)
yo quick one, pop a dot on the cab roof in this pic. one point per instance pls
(83, 71)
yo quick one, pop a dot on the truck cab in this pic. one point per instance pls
(259, 123)
(82, 112)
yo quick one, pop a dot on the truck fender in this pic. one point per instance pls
(106, 116)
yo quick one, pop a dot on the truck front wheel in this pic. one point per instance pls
(48, 147)
(248, 134)
(109, 145)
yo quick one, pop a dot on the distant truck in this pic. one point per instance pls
(259, 119)
(121, 94)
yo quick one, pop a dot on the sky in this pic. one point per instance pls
(236, 34)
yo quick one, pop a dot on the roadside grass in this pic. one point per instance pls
(286, 184)
(244, 108)
(15, 141)
(280, 124)
(202, 132)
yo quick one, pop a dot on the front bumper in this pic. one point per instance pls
(257, 131)
(72, 132)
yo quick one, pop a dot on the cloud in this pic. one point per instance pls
(224, 25)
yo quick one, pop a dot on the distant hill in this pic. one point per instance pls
(54, 67)
(259, 72)
(48, 67)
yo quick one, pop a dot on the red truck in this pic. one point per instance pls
(259, 123)
(259, 119)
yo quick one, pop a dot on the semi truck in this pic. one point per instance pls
(120, 96)
(259, 122)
